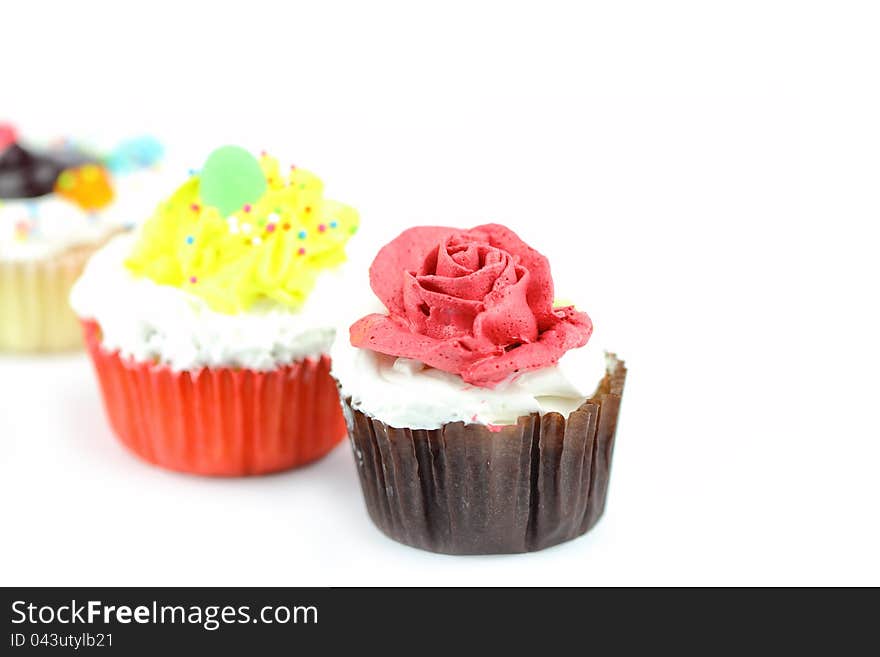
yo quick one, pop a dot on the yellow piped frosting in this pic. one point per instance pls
(273, 248)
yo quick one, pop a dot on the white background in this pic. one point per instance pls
(704, 176)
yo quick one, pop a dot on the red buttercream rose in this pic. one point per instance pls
(478, 303)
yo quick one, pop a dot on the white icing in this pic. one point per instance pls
(60, 224)
(405, 393)
(147, 321)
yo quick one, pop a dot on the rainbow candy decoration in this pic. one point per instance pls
(88, 186)
(272, 247)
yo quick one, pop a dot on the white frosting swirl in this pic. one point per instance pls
(147, 321)
(59, 224)
(405, 393)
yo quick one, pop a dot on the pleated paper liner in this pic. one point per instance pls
(224, 422)
(469, 489)
(35, 314)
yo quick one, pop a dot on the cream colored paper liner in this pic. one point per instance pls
(35, 313)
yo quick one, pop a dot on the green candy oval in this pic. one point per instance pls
(230, 179)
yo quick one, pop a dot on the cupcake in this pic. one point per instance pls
(481, 414)
(58, 204)
(210, 327)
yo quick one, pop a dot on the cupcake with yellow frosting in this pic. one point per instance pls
(210, 328)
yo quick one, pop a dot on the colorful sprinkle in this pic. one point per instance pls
(22, 229)
(246, 248)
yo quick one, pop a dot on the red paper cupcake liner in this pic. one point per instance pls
(224, 421)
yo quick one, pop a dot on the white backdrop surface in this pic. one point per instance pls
(703, 177)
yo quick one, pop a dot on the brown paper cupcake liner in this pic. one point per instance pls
(471, 489)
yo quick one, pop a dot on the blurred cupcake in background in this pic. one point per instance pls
(58, 203)
(210, 328)
(482, 414)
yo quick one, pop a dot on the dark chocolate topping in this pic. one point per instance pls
(25, 174)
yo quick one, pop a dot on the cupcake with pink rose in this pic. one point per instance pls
(481, 411)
